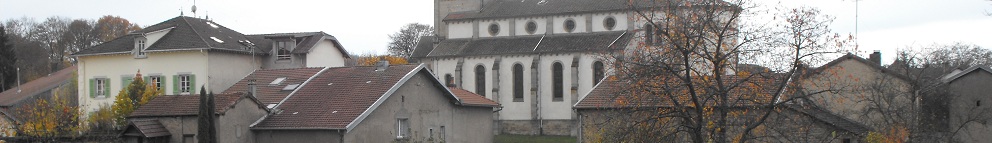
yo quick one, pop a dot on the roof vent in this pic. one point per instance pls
(277, 81)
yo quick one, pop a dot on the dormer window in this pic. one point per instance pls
(140, 44)
(282, 52)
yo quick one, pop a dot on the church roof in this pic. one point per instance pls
(523, 8)
(187, 33)
(582, 42)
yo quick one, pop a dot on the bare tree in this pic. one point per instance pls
(404, 41)
(679, 81)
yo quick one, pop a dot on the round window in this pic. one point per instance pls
(609, 23)
(531, 27)
(569, 25)
(493, 29)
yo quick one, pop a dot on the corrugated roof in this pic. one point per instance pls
(185, 105)
(580, 42)
(269, 93)
(37, 86)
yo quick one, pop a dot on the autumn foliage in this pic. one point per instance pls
(371, 60)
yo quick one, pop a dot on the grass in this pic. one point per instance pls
(533, 139)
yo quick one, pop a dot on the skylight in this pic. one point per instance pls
(277, 81)
(218, 40)
(290, 87)
(212, 24)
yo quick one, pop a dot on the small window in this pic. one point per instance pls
(597, 72)
(480, 80)
(156, 81)
(277, 81)
(185, 84)
(493, 29)
(648, 34)
(141, 47)
(518, 83)
(559, 82)
(569, 25)
(402, 128)
(101, 87)
(531, 27)
(290, 87)
(609, 23)
(283, 50)
(217, 40)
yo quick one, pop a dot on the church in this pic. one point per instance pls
(536, 58)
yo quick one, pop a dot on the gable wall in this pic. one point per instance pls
(325, 54)
(966, 91)
(857, 84)
(426, 109)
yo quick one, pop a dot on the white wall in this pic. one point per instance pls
(113, 67)
(599, 19)
(504, 27)
(559, 23)
(460, 30)
(227, 68)
(325, 54)
(521, 25)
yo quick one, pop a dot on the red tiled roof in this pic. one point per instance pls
(37, 86)
(272, 94)
(335, 98)
(612, 93)
(185, 105)
(472, 99)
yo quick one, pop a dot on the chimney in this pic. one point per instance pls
(252, 88)
(876, 57)
(382, 65)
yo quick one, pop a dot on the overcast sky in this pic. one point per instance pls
(363, 26)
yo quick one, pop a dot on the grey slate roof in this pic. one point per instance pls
(187, 33)
(523, 8)
(582, 42)
(424, 47)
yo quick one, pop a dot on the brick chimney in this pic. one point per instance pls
(876, 57)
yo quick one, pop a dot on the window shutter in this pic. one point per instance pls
(163, 80)
(192, 84)
(92, 88)
(148, 80)
(106, 88)
(126, 81)
(175, 84)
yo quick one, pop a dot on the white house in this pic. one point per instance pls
(183, 53)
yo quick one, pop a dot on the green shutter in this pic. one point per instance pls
(192, 84)
(93, 88)
(106, 88)
(163, 80)
(125, 81)
(148, 80)
(175, 84)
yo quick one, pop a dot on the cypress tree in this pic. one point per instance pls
(205, 129)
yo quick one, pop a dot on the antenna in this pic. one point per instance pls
(194, 8)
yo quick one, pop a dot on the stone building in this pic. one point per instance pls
(383, 103)
(969, 115)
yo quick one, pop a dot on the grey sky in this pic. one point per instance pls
(363, 26)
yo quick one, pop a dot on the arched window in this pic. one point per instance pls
(480, 80)
(648, 34)
(559, 82)
(518, 83)
(449, 80)
(597, 72)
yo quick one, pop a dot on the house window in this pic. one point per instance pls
(283, 52)
(531, 27)
(518, 83)
(141, 46)
(449, 80)
(609, 23)
(101, 87)
(402, 128)
(185, 84)
(493, 29)
(480, 80)
(648, 34)
(978, 103)
(559, 82)
(597, 72)
(156, 81)
(569, 25)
